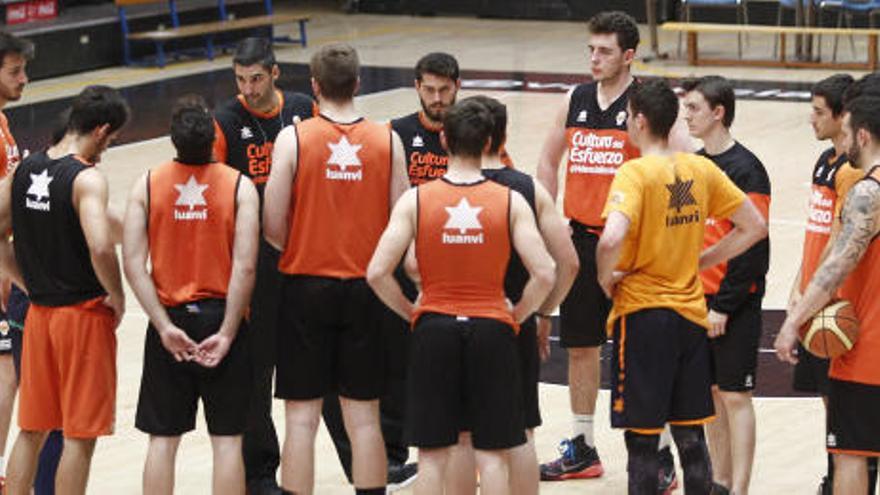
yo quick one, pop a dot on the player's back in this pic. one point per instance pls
(667, 199)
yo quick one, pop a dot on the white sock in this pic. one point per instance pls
(582, 424)
(665, 438)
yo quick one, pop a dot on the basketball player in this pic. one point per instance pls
(334, 177)
(734, 290)
(850, 266)
(246, 128)
(464, 368)
(591, 128)
(647, 260)
(197, 222)
(524, 474)
(437, 84)
(832, 178)
(76, 293)
(14, 56)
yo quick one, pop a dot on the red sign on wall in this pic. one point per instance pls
(31, 10)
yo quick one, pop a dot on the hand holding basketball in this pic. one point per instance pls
(832, 331)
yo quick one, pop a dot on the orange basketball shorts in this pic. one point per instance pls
(68, 370)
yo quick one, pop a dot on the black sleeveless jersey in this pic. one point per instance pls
(517, 276)
(248, 136)
(426, 159)
(50, 246)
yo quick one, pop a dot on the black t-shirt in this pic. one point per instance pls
(248, 137)
(50, 246)
(745, 274)
(426, 159)
(517, 276)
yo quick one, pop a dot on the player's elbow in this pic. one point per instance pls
(545, 275)
(375, 274)
(758, 229)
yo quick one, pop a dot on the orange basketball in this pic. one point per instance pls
(832, 332)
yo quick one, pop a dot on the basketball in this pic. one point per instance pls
(832, 332)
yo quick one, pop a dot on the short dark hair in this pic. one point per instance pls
(95, 106)
(335, 67)
(467, 126)
(832, 90)
(499, 118)
(868, 85)
(656, 101)
(59, 126)
(717, 91)
(13, 45)
(619, 23)
(864, 113)
(250, 51)
(439, 64)
(192, 130)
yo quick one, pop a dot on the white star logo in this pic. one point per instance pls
(40, 185)
(463, 217)
(191, 193)
(344, 154)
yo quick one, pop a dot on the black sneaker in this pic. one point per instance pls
(577, 460)
(666, 479)
(719, 489)
(401, 475)
(263, 486)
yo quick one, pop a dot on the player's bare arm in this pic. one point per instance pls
(277, 196)
(90, 202)
(749, 227)
(392, 245)
(8, 264)
(399, 176)
(553, 149)
(135, 254)
(608, 250)
(530, 247)
(213, 349)
(861, 223)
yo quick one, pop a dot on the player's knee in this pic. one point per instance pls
(643, 463)
(694, 455)
(736, 400)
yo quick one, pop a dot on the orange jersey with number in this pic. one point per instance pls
(339, 205)
(833, 176)
(463, 247)
(9, 157)
(191, 230)
(861, 288)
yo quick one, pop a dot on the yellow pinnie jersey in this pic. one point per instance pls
(667, 200)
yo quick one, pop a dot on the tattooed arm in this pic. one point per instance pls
(861, 222)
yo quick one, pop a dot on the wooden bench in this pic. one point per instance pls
(693, 30)
(206, 30)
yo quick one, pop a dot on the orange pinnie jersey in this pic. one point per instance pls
(860, 364)
(598, 145)
(191, 230)
(339, 206)
(463, 247)
(667, 201)
(833, 176)
(9, 156)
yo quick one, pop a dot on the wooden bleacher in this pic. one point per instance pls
(206, 30)
(693, 30)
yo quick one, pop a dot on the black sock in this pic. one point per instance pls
(642, 463)
(694, 456)
(370, 491)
